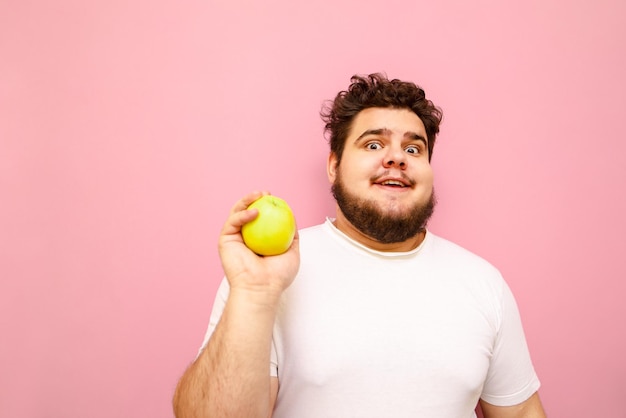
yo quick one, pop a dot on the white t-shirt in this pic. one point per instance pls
(362, 333)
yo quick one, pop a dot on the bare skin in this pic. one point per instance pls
(531, 408)
(230, 378)
(384, 144)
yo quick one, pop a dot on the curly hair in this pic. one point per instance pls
(376, 90)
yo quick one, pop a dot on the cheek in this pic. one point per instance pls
(358, 167)
(427, 175)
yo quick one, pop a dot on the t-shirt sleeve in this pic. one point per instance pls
(216, 313)
(511, 378)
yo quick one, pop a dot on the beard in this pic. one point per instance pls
(382, 226)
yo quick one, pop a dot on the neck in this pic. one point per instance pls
(342, 224)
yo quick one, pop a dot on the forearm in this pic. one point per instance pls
(230, 378)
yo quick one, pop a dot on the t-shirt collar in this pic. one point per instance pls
(386, 254)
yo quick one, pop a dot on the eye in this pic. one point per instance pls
(373, 146)
(413, 149)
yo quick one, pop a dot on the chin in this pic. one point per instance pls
(385, 220)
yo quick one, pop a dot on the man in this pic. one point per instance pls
(369, 314)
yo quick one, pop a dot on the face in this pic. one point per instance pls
(384, 182)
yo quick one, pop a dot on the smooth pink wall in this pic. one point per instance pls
(128, 129)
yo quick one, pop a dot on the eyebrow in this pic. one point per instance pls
(384, 131)
(416, 137)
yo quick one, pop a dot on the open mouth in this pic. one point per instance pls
(393, 183)
(399, 182)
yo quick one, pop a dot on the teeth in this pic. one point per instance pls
(392, 183)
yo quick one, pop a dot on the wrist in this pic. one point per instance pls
(261, 296)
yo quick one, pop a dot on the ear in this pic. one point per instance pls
(331, 167)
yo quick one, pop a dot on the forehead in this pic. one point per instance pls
(396, 120)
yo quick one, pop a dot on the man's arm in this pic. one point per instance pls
(531, 408)
(230, 377)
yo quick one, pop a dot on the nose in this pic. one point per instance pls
(395, 157)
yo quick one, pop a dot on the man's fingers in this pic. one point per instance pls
(247, 200)
(239, 219)
(240, 215)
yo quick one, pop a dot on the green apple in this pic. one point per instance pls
(272, 231)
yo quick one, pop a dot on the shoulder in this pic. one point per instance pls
(466, 272)
(440, 245)
(311, 231)
(445, 252)
(314, 241)
(316, 235)
(312, 235)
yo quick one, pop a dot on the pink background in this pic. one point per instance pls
(128, 129)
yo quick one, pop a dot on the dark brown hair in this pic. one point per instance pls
(376, 90)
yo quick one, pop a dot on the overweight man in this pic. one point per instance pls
(368, 314)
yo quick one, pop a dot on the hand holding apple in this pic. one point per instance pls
(245, 270)
(273, 230)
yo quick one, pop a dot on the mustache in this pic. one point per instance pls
(387, 173)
